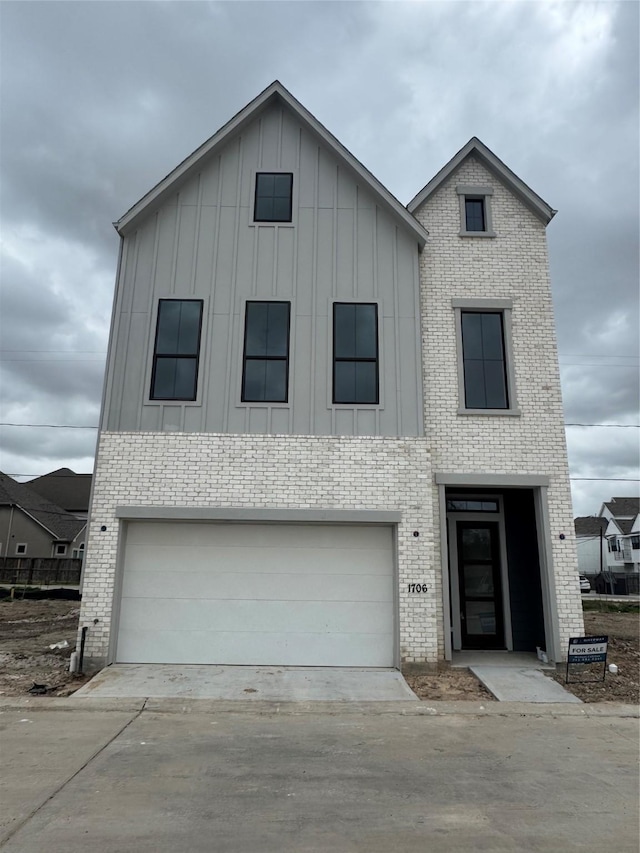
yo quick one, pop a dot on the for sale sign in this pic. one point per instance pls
(587, 650)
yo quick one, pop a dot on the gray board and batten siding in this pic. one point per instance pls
(201, 243)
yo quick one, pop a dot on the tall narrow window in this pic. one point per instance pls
(175, 358)
(265, 375)
(485, 377)
(474, 214)
(274, 193)
(355, 353)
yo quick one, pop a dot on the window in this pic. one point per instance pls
(458, 505)
(265, 374)
(474, 214)
(61, 550)
(175, 359)
(355, 353)
(273, 199)
(635, 542)
(613, 545)
(475, 211)
(485, 376)
(78, 553)
(21, 548)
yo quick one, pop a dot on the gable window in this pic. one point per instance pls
(21, 548)
(177, 347)
(355, 353)
(61, 550)
(475, 211)
(265, 373)
(486, 380)
(274, 197)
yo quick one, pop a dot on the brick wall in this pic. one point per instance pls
(513, 265)
(211, 470)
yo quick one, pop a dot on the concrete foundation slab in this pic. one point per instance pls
(275, 684)
(514, 684)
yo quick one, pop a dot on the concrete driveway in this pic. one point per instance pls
(346, 779)
(270, 683)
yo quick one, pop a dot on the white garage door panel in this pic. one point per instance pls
(313, 617)
(261, 586)
(238, 648)
(246, 558)
(306, 595)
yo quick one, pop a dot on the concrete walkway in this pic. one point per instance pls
(270, 683)
(522, 684)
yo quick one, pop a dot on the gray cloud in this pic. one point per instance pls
(101, 100)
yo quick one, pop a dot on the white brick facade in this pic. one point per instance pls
(295, 472)
(512, 265)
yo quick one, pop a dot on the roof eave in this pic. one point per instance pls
(475, 147)
(276, 90)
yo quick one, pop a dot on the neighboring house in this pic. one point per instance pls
(332, 429)
(591, 544)
(31, 526)
(622, 534)
(65, 488)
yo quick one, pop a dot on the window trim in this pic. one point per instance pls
(283, 404)
(202, 342)
(331, 360)
(484, 306)
(58, 553)
(294, 197)
(21, 553)
(472, 191)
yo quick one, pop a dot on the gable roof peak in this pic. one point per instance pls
(476, 147)
(235, 125)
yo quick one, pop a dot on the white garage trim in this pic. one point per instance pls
(208, 513)
(197, 592)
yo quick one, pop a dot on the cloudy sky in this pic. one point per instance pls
(100, 100)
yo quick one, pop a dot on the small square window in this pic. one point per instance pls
(274, 197)
(61, 550)
(21, 548)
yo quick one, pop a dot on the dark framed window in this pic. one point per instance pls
(21, 548)
(474, 213)
(355, 353)
(177, 349)
(61, 550)
(265, 371)
(484, 364)
(635, 542)
(274, 197)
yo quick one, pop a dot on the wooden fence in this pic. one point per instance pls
(40, 571)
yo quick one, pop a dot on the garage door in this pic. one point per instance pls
(296, 595)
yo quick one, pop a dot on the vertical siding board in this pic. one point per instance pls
(396, 336)
(265, 261)
(343, 256)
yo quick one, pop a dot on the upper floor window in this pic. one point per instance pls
(355, 353)
(274, 197)
(485, 376)
(177, 348)
(265, 374)
(475, 211)
(21, 548)
(61, 550)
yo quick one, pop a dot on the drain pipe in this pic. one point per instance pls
(83, 638)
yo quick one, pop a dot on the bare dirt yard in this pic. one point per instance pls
(623, 630)
(27, 629)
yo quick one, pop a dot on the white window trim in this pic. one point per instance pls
(294, 198)
(58, 553)
(263, 404)
(505, 307)
(351, 406)
(21, 545)
(471, 191)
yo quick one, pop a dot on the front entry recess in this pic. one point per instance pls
(481, 613)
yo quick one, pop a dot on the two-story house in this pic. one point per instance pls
(332, 430)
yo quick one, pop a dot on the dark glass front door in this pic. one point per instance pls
(481, 619)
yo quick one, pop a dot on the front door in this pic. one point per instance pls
(481, 615)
